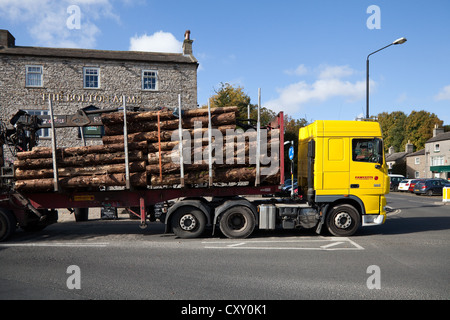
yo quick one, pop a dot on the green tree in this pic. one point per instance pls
(399, 128)
(419, 128)
(393, 128)
(229, 96)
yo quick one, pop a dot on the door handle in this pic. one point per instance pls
(354, 186)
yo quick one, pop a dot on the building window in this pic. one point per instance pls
(42, 133)
(416, 174)
(91, 78)
(417, 160)
(149, 80)
(33, 76)
(437, 161)
(436, 147)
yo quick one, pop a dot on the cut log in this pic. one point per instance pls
(44, 152)
(138, 179)
(117, 118)
(187, 123)
(25, 174)
(224, 175)
(165, 135)
(80, 161)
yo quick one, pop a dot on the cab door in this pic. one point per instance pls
(367, 166)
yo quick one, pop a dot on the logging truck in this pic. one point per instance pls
(195, 170)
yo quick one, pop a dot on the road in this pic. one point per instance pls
(406, 258)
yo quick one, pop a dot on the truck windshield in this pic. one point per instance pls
(367, 150)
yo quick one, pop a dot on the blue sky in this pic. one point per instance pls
(308, 57)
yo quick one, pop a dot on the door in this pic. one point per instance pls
(366, 166)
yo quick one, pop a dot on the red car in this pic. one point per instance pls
(413, 183)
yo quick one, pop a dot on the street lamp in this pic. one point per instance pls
(398, 41)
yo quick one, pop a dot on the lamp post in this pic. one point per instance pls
(398, 41)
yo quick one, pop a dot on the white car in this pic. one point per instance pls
(404, 185)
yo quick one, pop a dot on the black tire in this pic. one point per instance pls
(343, 220)
(429, 193)
(7, 224)
(237, 222)
(188, 222)
(81, 214)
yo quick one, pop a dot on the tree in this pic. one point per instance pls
(419, 128)
(227, 96)
(398, 128)
(393, 128)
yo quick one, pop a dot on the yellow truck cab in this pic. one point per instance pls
(342, 170)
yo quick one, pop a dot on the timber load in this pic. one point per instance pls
(155, 158)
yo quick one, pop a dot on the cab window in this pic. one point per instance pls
(367, 150)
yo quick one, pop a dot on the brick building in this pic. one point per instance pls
(78, 78)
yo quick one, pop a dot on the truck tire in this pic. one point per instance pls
(188, 222)
(343, 220)
(7, 224)
(237, 222)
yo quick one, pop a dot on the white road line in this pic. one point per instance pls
(250, 245)
(56, 244)
(331, 245)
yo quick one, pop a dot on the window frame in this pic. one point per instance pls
(27, 73)
(84, 77)
(156, 80)
(417, 160)
(377, 147)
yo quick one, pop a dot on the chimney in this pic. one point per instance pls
(6, 39)
(187, 44)
(391, 150)
(409, 147)
(437, 130)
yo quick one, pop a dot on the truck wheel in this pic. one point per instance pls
(7, 224)
(237, 222)
(188, 222)
(343, 220)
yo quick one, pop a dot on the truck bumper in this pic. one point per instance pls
(373, 219)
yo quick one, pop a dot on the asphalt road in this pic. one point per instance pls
(406, 258)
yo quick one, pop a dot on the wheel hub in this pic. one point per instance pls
(188, 222)
(343, 220)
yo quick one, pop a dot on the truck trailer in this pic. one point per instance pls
(342, 181)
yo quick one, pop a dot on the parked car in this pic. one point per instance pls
(413, 183)
(430, 187)
(404, 185)
(395, 180)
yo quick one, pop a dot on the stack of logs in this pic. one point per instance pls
(153, 151)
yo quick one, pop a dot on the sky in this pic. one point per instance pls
(307, 57)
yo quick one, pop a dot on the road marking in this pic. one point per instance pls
(331, 244)
(56, 244)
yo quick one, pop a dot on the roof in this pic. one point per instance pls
(98, 54)
(440, 137)
(417, 153)
(395, 156)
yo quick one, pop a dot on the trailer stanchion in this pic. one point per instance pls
(143, 212)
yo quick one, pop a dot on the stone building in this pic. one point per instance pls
(437, 154)
(396, 161)
(415, 165)
(78, 78)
